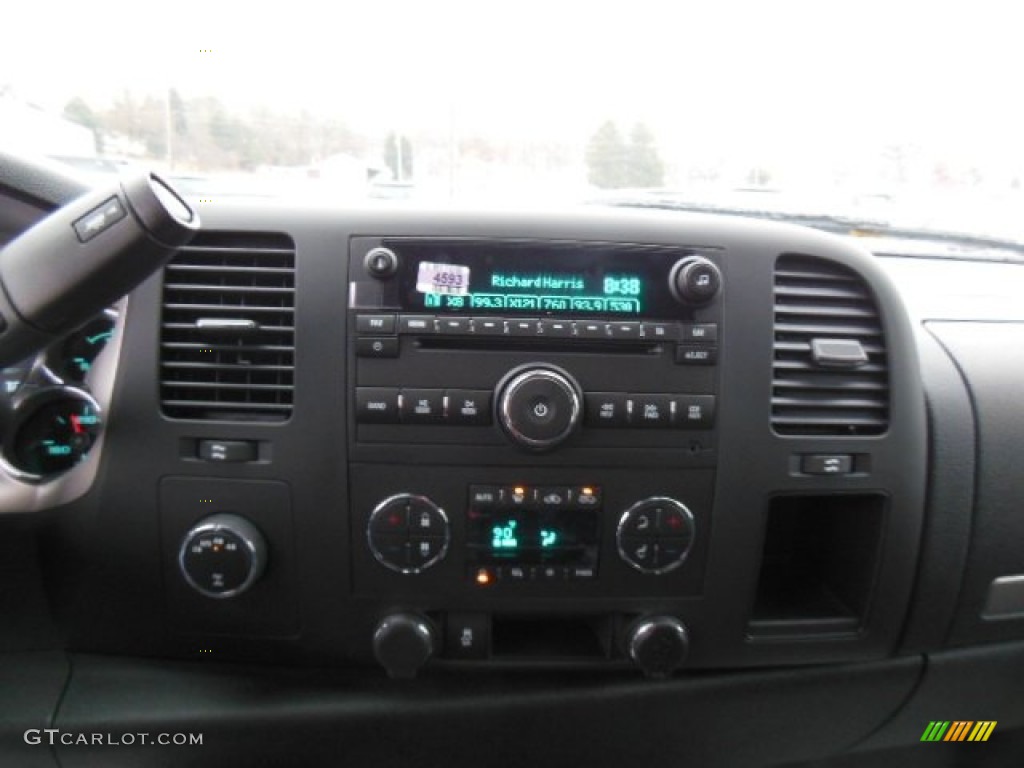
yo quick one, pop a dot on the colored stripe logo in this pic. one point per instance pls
(958, 730)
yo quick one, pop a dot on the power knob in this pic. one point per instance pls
(695, 280)
(381, 263)
(658, 645)
(404, 642)
(538, 406)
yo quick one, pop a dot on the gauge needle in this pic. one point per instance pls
(75, 425)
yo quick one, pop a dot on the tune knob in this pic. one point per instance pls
(222, 556)
(658, 645)
(695, 280)
(538, 406)
(404, 642)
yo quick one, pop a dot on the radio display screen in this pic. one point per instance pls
(546, 279)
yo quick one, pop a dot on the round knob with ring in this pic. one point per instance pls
(538, 406)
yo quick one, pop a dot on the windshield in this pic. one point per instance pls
(898, 114)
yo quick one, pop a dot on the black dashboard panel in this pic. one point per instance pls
(803, 547)
(990, 604)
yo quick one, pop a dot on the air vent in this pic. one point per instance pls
(228, 334)
(830, 374)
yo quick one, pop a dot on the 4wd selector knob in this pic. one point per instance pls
(538, 406)
(222, 555)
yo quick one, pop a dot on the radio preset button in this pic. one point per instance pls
(422, 406)
(591, 329)
(380, 324)
(624, 330)
(369, 346)
(489, 326)
(420, 324)
(376, 405)
(469, 406)
(454, 325)
(523, 326)
(556, 328)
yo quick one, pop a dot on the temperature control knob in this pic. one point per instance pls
(538, 406)
(658, 645)
(222, 556)
(695, 280)
(403, 642)
(408, 533)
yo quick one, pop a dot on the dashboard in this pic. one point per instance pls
(490, 451)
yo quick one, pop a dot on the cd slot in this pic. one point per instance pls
(541, 344)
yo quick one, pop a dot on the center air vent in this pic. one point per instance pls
(830, 373)
(228, 333)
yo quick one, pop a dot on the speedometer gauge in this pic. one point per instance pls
(57, 430)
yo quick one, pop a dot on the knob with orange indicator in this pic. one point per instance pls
(222, 556)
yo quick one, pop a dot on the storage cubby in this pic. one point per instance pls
(819, 564)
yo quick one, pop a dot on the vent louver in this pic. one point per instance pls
(227, 346)
(822, 305)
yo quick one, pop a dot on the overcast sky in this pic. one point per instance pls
(778, 77)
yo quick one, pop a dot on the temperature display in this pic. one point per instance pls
(519, 525)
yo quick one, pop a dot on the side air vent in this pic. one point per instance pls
(227, 345)
(830, 372)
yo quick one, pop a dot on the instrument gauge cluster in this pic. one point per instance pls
(49, 419)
